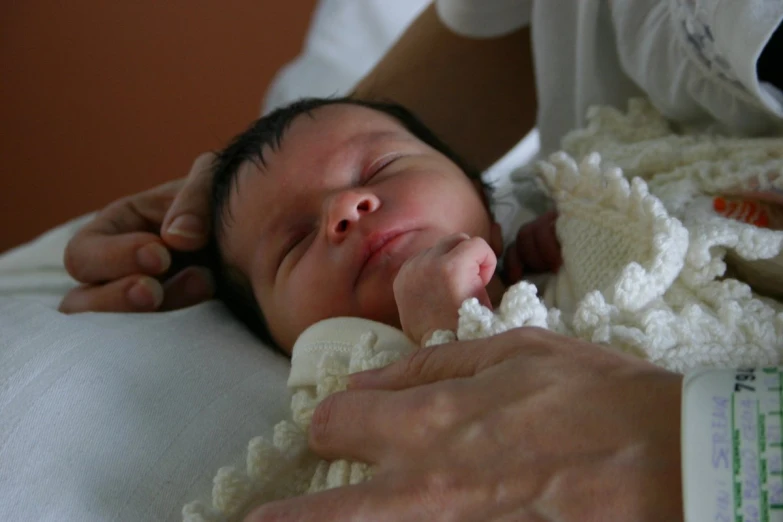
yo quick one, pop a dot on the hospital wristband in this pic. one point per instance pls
(732, 456)
(484, 18)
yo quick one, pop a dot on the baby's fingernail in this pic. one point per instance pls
(154, 258)
(146, 294)
(188, 226)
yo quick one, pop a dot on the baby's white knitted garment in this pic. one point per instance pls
(644, 271)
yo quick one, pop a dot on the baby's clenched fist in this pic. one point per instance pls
(431, 286)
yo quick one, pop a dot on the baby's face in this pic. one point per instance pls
(322, 229)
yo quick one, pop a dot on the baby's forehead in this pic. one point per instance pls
(312, 142)
(341, 122)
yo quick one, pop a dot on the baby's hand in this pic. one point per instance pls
(431, 286)
(536, 249)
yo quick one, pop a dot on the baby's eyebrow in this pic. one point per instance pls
(366, 139)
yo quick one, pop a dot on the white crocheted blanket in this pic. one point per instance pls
(644, 271)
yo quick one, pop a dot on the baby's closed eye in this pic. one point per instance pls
(295, 240)
(378, 166)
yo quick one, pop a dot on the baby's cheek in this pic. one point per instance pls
(378, 303)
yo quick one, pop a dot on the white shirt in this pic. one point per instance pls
(695, 59)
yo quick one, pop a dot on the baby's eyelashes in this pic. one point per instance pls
(378, 166)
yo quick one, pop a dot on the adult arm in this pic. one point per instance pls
(527, 425)
(477, 94)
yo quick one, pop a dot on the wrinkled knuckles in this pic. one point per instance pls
(417, 365)
(321, 424)
(433, 413)
(441, 492)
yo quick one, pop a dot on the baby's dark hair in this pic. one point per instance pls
(232, 286)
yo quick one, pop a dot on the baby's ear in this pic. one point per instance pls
(496, 239)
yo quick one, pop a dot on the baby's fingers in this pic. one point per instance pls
(447, 244)
(536, 246)
(477, 255)
(548, 245)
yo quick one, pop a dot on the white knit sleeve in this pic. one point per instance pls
(484, 18)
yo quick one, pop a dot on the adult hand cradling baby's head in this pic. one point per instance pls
(123, 257)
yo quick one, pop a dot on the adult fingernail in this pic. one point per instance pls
(188, 226)
(146, 294)
(154, 258)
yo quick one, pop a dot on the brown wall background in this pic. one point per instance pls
(101, 98)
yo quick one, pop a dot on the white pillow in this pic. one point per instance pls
(126, 417)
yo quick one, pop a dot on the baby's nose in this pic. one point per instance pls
(347, 208)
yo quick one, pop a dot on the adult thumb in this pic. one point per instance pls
(187, 221)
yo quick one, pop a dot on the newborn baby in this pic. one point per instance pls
(344, 208)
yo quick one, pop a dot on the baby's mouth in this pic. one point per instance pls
(381, 246)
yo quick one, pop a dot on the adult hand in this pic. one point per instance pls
(139, 253)
(524, 426)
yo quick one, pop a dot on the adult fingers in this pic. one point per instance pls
(122, 239)
(129, 294)
(380, 500)
(418, 495)
(138, 293)
(378, 426)
(189, 287)
(139, 212)
(186, 224)
(353, 425)
(449, 361)
(343, 504)
(92, 257)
